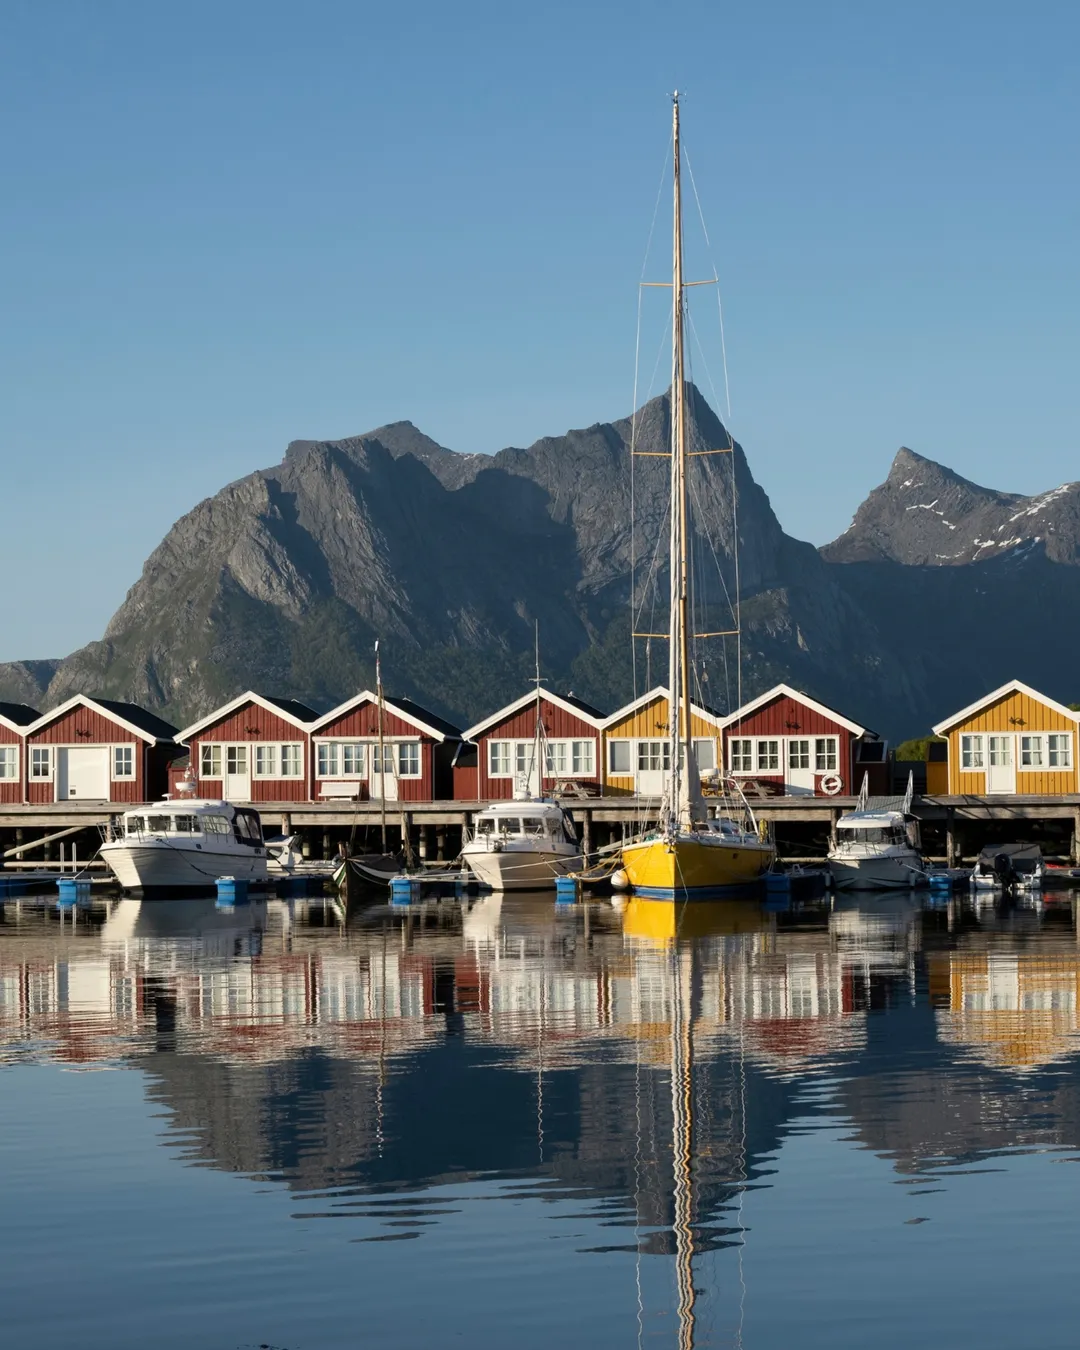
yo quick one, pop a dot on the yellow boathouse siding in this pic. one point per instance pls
(1016, 713)
(650, 723)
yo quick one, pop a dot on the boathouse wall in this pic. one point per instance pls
(361, 723)
(650, 723)
(85, 727)
(12, 790)
(1024, 721)
(559, 725)
(251, 726)
(783, 720)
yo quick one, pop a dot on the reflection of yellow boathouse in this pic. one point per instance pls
(1008, 1010)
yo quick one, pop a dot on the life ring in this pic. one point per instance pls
(831, 784)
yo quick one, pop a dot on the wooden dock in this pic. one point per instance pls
(953, 827)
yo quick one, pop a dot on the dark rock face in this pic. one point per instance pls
(283, 580)
(938, 591)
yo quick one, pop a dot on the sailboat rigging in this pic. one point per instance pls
(689, 854)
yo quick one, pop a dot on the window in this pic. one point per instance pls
(157, 824)
(705, 754)
(384, 762)
(1001, 752)
(266, 760)
(352, 759)
(618, 756)
(328, 759)
(134, 825)
(524, 757)
(210, 761)
(499, 759)
(582, 760)
(186, 824)
(9, 762)
(1031, 751)
(41, 761)
(409, 759)
(236, 759)
(653, 755)
(292, 761)
(798, 754)
(768, 756)
(742, 755)
(555, 758)
(216, 825)
(123, 761)
(825, 754)
(1059, 747)
(971, 752)
(532, 825)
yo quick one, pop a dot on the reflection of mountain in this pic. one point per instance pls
(518, 1040)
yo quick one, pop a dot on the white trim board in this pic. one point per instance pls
(1013, 687)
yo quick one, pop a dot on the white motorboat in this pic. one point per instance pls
(521, 845)
(874, 852)
(1018, 867)
(186, 844)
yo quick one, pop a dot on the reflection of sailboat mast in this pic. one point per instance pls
(682, 1069)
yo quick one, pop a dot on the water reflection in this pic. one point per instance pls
(647, 1061)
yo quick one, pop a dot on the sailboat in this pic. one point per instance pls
(689, 854)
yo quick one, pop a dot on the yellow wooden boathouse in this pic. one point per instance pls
(1013, 741)
(637, 753)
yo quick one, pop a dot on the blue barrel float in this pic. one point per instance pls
(567, 890)
(404, 890)
(232, 890)
(72, 890)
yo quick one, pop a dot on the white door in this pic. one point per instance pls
(799, 775)
(653, 768)
(527, 770)
(237, 784)
(383, 784)
(1001, 764)
(82, 773)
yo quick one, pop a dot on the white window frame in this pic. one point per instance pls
(236, 749)
(36, 752)
(210, 750)
(972, 752)
(412, 749)
(741, 754)
(556, 759)
(822, 756)
(1032, 751)
(499, 753)
(115, 774)
(327, 759)
(793, 741)
(298, 747)
(697, 743)
(9, 754)
(270, 750)
(646, 746)
(1059, 756)
(623, 745)
(351, 750)
(762, 756)
(583, 758)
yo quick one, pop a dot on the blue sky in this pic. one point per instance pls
(225, 226)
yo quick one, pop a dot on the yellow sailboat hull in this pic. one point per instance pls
(692, 865)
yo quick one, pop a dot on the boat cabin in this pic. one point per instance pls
(415, 762)
(253, 749)
(794, 745)
(873, 827)
(569, 761)
(638, 752)
(524, 820)
(1013, 740)
(14, 719)
(188, 821)
(97, 750)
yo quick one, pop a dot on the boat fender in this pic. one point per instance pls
(831, 784)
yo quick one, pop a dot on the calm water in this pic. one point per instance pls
(498, 1124)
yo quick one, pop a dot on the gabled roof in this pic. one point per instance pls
(1013, 687)
(785, 690)
(299, 714)
(412, 712)
(698, 709)
(567, 702)
(139, 721)
(17, 716)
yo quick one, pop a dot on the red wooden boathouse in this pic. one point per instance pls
(98, 750)
(506, 747)
(253, 749)
(418, 751)
(797, 745)
(14, 719)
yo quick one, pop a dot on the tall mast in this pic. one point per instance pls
(382, 747)
(679, 662)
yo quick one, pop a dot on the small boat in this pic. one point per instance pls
(1017, 867)
(522, 845)
(186, 844)
(876, 848)
(698, 850)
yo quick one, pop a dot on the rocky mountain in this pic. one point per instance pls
(284, 579)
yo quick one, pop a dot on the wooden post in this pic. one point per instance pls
(586, 832)
(326, 843)
(1075, 852)
(950, 838)
(440, 844)
(286, 823)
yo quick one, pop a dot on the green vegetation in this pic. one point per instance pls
(916, 749)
